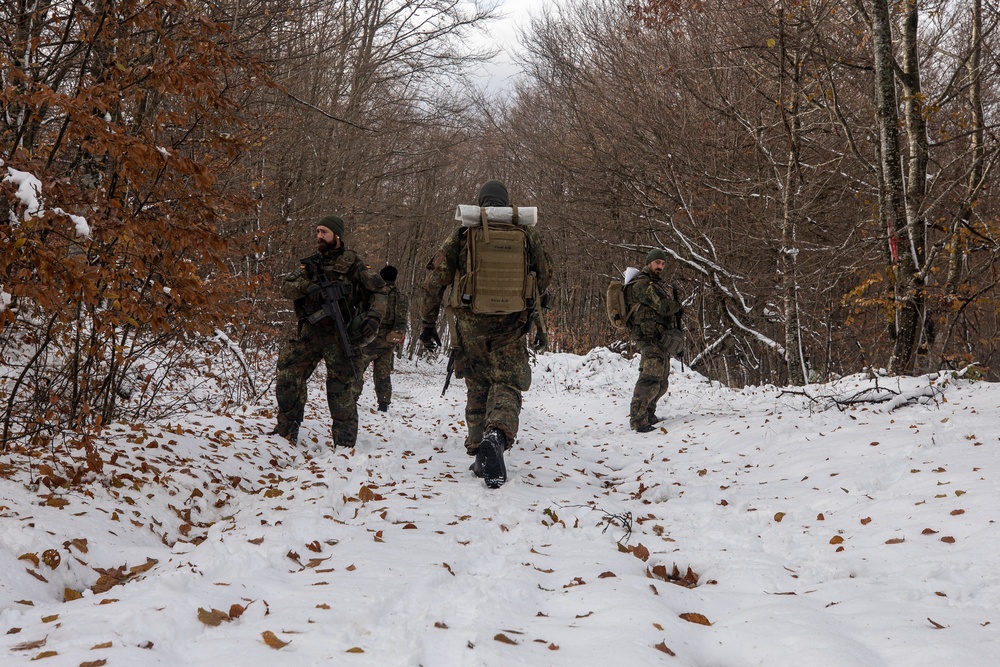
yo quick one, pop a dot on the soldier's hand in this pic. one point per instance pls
(429, 337)
(541, 341)
(369, 329)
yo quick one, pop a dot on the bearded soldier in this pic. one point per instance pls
(339, 305)
(654, 328)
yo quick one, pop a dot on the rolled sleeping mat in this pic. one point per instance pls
(527, 216)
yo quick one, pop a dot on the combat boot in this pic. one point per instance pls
(490, 452)
(288, 430)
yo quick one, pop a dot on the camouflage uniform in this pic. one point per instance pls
(321, 340)
(492, 357)
(381, 352)
(653, 328)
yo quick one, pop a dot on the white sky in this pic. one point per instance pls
(516, 15)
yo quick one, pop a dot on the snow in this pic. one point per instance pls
(822, 532)
(29, 192)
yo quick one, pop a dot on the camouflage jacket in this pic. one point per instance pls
(451, 258)
(393, 327)
(656, 309)
(367, 290)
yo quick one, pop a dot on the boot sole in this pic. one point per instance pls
(494, 470)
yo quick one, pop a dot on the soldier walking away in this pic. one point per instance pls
(490, 312)
(654, 327)
(391, 333)
(339, 305)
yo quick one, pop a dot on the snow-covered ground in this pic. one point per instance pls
(756, 527)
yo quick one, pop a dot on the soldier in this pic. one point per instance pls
(490, 351)
(381, 351)
(653, 327)
(359, 297)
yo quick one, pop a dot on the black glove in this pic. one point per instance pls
(429, 337)
(369, 328)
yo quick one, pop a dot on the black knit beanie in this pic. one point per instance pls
(388, 273)
(493, 193)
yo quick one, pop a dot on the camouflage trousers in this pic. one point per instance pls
(381, 355)
(297, 361)
(496, 372)
(654, 380)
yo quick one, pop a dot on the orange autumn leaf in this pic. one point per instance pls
(692, 617)
(272, 640)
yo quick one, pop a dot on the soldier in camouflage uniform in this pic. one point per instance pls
(362, 310)
(653, 328)
(492, 356)
(382, 351)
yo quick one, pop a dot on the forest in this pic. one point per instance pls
(819, 172)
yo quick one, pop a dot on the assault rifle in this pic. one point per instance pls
(332, 296)
(450, 369)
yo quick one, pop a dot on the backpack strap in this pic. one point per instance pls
(486, 227)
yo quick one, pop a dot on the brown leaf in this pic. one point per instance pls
(692, 617)
(45, 654)
(256, 540)
(32, 558)
(49, 619)
(409, 526)
(640, 552)
(272, 640)
(663, 647)
(145, 567)
(100, 646)
(94, 663)
(70, 594)
(366, 495)
(53, 501)
(355, 649)
(937, 626)
(322, 605)
(836, 539)
(273, 493)
(80, 543)
(948, 539)
(314, 546)
(29, 646)
(957, 512)
(504, 639)
(552, 647)
(214, 617)
(236, 610)
(779, 516)
(51, 558)
(867, 520)
(896, 540)
(928, 531)
(606, 575)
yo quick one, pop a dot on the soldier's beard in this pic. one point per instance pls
(657, 272)
(322, 245)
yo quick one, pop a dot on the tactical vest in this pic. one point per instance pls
(337, 271)
(497, 279)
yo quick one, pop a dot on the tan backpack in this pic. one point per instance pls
(614, 299)
(497, 279)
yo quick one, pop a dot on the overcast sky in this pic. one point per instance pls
(516, 15)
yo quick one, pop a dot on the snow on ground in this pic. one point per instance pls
(766, 526)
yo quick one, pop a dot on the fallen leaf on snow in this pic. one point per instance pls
(692, 617)
(272, 640)
(504, 639)
(663, 647)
